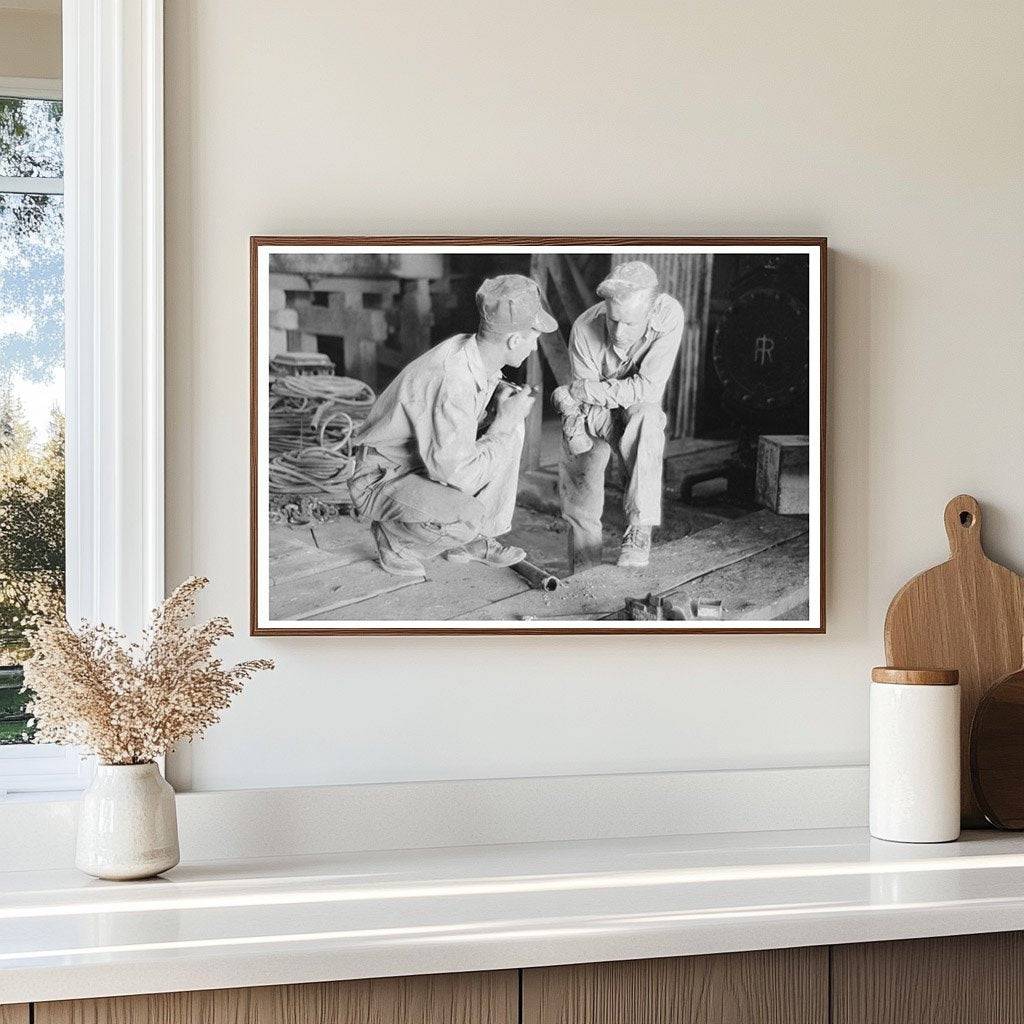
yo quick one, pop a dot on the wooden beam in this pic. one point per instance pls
(553, 346)
(534, 421)
(561, 278)
(696, 462)
(556, 352)
(414, 320)
(586, 293)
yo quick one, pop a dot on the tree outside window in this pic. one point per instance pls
(31, 387)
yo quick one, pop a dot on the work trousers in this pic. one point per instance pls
(638, 433)
(423, 518)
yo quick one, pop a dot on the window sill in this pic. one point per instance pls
(44, 771)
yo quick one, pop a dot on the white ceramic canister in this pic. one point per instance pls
(127, 825)
(915, 755)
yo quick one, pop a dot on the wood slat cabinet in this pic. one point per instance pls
(774, 986)
(961, 979)
(969, 979)
(481, 998)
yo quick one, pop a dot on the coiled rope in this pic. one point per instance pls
(311, 421)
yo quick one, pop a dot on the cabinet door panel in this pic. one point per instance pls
(960, 979)
(778, 986)
(14, 1013)
(482, 998)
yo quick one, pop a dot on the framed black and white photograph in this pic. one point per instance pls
(537, 435)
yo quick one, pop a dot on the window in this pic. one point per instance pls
(109, 207)
(32, 549)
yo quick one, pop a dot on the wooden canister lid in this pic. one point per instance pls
(916, 676)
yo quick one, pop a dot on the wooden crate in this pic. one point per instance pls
(782, 482)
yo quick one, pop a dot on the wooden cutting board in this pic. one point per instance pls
(997, 752)
(967, 614)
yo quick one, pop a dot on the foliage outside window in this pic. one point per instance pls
(31, 387)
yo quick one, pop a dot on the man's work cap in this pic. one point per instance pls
(627, 278)
(511, 303)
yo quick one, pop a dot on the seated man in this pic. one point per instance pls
(424, 481)
(621, 352)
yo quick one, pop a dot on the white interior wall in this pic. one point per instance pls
(895, 129)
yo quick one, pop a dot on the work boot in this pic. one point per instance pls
(397, 563)
(636, 547)
(488, 551)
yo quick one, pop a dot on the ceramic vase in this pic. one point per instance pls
(127, 825)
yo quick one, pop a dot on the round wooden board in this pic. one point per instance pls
(997, 752)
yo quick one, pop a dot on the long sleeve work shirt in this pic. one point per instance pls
(620, 377)
(427, 419)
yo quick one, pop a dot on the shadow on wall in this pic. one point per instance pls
(854, 288)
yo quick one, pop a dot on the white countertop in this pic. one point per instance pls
(261, 922)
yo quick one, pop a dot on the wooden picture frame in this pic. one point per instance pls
(307, 300)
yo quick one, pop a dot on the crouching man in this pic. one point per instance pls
(424, 480)
(621, 353)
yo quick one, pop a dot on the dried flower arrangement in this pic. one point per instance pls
(130, 703)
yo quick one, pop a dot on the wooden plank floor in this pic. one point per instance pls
(772, 584)
(601, 591)
(333, 575)
(756, 564)
(333, 590)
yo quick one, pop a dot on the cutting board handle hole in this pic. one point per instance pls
(962, 517)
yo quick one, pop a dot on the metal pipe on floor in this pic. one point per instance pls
(539, 579)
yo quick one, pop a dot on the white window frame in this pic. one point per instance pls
(31, 89)
(114, 324)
